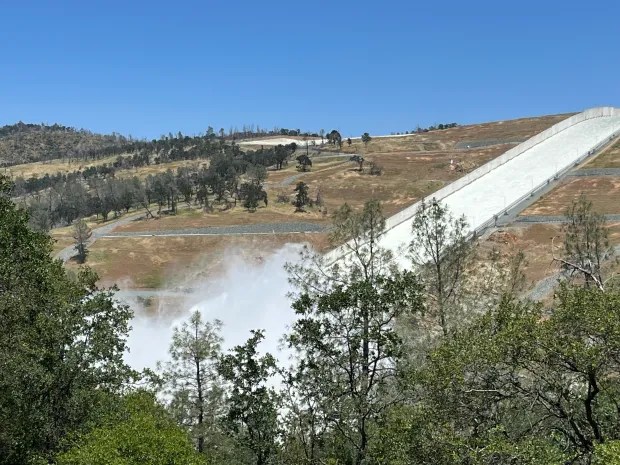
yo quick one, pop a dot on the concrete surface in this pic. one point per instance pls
(499, 184)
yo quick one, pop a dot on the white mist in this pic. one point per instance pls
(245, 296)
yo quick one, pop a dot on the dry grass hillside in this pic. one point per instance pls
(412, 167)
(460, 137)
(601, 187)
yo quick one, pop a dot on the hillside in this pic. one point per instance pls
(168, 250)
(464, 137)
(29, 143)
(173, 247)
(534, 227)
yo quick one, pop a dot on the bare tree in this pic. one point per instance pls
(586, 244)
(81, 234)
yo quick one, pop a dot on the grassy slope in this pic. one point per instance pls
(414, 166)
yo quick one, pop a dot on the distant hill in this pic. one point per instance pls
(26, 143)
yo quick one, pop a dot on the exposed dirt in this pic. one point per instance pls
(603, 192)
(609, 158)
(155, 262)
(447, 138)
(407, 177)
(535, 241)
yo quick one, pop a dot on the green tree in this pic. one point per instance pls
(252, 405)
(345, 335)
(304, 163)
(441, 251)
(61, 344)
(334, 138)
(301, 198)
(607, 454)
(191, 378)
(251, 193)
(185, 183)
(141, 433)
(524, 373)
(256, 173)
(281, 154)
(366, 139)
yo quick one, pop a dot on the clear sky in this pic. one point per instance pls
(153, 67)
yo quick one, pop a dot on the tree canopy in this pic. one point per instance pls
(61, 344)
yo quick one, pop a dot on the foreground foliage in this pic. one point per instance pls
(141, 432)
(61, 344)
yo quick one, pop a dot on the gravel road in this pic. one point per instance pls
(612, 218)
(245, 229)
(68, 252)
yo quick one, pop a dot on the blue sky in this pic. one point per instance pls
(149, 68)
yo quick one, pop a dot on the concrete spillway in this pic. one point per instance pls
(508, 179)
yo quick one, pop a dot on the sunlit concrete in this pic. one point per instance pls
(495, 186)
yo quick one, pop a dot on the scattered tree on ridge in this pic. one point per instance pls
(359, 160)
(366, 139)
(304, 163)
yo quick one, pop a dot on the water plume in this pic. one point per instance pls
(248, 294)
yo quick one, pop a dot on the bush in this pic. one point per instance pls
(375, 169)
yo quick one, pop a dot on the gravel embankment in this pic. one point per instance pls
(475, 144)
(556, 218)
(595, 172)
(545, 286)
